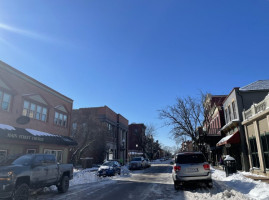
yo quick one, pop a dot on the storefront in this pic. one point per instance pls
(23, 141)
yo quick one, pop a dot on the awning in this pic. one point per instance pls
(31, 135)
(230, 139)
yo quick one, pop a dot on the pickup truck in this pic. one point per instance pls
(32, 171)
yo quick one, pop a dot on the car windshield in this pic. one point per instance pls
(23, 160)
(136, 159)
(108, 164)
(191, 158)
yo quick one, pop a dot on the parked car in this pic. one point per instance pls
(137, 163)
(32, 171)
(109, 168)
(191, 167)
(148, 164)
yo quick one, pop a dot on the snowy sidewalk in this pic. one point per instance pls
(250, 175)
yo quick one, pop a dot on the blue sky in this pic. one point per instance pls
(137, 56)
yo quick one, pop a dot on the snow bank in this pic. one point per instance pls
(252, 189)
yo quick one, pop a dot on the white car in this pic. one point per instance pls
(137, 163)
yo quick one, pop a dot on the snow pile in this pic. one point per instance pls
(84, 176)
(247, 186)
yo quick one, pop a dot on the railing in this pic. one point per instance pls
(256, 108)
(213, 131)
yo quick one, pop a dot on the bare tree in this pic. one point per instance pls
(185, 117)
(89, 134)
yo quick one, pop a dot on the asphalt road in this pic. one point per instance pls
(151, 183)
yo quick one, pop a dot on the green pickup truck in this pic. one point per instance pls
(32, 171)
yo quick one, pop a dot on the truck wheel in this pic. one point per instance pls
(21, 192)
(64, 185)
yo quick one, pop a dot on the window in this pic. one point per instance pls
(31, 151)
(226, 115)
(5, 99)
(34, 111)
(265, 146)
(234, 110)
(254, 152)
(74, 126)
(58, 154)
(60, 119)
(229, 113)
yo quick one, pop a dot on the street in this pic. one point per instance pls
(151, 183)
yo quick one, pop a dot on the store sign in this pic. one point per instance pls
(25, 137)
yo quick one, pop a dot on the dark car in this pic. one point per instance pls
(109, 168)
(32, 171)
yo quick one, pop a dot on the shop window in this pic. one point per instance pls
(254, 152)
(265, 146)
(34, 111)
(5, 100)
(58, 154)
(31, 151)
(60, 119)
(3, 154)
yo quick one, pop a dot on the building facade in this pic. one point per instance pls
(116, 129)
(33, 117)
(213, 125)
(136, 135)
(256, 124)
(234, 143)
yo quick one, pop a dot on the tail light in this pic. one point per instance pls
(206, 166)
(177, 168)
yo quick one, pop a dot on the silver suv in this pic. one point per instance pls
(191, 167)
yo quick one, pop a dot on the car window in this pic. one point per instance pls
(136, 159)
(23, 160)
(190, 158)
(50, 159)
(108, 164)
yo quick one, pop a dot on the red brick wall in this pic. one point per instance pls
(20, 87)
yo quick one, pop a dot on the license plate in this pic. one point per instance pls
(192, 170)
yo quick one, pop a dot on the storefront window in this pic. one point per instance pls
(265, 146)
(254, 152)
(58, 154)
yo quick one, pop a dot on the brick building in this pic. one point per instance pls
(33, 117)
(117, 127)
(136, 137)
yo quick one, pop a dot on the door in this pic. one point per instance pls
(39, 172)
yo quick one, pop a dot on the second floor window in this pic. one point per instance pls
(34, 111)
(229, 113)
(5, 99)
(234, 110)
(60, 119)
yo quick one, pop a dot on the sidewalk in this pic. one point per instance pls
(254, 177)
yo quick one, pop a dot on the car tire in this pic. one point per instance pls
(64, 185)
(209, 184)
(177, 186)
(21, 192)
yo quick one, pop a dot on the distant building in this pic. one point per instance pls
(212, 126)
(136, 137)
(33, 117)
(186, 146)
(117, 127)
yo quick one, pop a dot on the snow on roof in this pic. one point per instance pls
(7, 127)
(39, 133)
